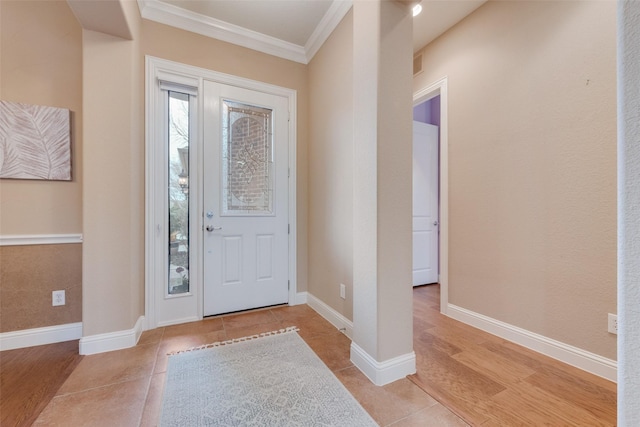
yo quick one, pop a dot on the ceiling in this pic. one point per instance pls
(291, 29)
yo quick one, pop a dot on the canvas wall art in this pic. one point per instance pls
(35, 142)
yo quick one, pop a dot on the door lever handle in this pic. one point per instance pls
(212, 228)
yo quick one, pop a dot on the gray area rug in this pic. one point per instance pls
(271, 380)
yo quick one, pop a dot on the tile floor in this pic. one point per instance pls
(124, 388)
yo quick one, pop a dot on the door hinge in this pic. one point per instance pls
(289, 173)
(288, 284)
(288, 228)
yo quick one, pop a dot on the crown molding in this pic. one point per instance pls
(174, 16)
(327, 24)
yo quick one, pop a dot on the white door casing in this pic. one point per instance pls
(245, 199)
(425, 203)
(425, 93)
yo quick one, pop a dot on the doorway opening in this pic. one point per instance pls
(431, 105)
(426, 194)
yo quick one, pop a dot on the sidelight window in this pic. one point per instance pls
(179, 139)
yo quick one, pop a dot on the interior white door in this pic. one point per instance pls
(245, 201)
(425, 203)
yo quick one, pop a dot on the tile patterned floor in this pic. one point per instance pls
(124, 388)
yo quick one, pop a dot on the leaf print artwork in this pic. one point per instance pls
(35, 142)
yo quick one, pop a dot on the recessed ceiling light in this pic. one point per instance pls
(417, 9)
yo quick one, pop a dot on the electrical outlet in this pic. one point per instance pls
(612, 326)
(57, 298)
(343, 291)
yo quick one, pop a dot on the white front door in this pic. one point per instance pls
(245, 184)
(425, 203)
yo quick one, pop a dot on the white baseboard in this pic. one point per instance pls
(101, 343)
(332, 316)
(40, 336)
(381, 373)
(566, 353)
(301, 298)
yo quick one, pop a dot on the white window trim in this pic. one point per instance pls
(159, 80)
(189, 78)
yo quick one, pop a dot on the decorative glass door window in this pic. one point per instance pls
(247, 160)
(178, 194)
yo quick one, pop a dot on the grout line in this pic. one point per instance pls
(343, 369)
(146, 397)
(103, 386)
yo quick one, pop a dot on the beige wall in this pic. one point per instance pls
(169, 43)
(113, 197)
(382, 317)
(395, 161)
(532, 166)
(384, 297)
(331, 169)
(41, 63)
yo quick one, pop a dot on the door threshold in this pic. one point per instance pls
(249, 310)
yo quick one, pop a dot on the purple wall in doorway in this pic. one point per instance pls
(422, 112)
(428, 112)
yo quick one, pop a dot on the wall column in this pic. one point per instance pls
(113, 191)
(628, 213)
(382, 345)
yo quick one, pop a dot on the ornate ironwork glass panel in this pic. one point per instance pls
(247, 159)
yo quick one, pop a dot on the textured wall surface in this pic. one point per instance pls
(532, 166)
(629, 213)
(28, 275)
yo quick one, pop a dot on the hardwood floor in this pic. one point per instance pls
(483, 379)
(30, 377)
(488, 381)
